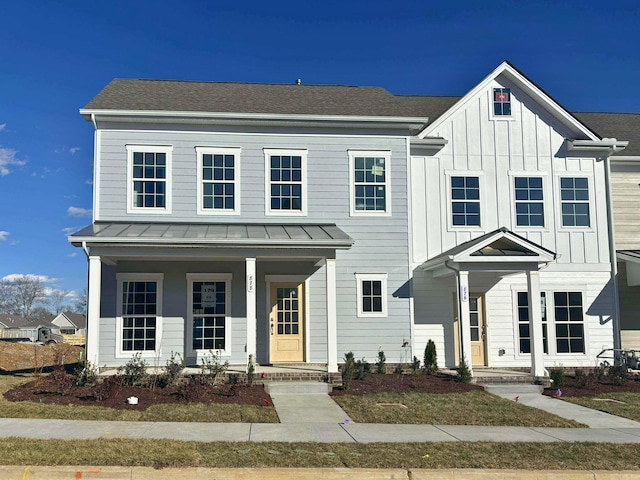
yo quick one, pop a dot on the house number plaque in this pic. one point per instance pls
(250, 283)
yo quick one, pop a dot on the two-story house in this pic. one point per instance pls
(296, 223)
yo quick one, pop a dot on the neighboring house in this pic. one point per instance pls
(8, 321)
(70, 323)
(296, 223)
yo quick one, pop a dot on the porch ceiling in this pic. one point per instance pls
(229, 235)
(632, 256)
(500, 250)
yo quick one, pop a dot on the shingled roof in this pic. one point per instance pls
(622, 126)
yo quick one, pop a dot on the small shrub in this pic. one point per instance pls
(599, 373)
(430, 358)
(362, 369)
(464, 374)
(134, 372)
(581, 378)
(171, 372)
(556, 375)
(86, 374)
(618, 374)
(348, 370)
(415, 365)
(251, 369)
(211, 368)
(233, 379)
(381, 363)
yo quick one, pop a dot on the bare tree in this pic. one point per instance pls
(28, 291)
(57, 300)
(80, 306)
(7, 298)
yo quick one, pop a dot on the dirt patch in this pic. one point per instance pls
(19, 357)
(379, 383)
(573, 388)
(59, 388)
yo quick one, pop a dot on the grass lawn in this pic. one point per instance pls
(624, 404)
(470, 408)
(170, 453)
(197, 412)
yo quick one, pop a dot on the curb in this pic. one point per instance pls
(147, 473)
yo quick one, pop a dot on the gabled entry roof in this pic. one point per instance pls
(214, 234)
(501, 246)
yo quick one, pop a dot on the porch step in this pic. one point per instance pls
(296, 388)
(509, 390)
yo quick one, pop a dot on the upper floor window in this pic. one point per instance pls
(465, 201)
(218, 183)
(529, 202)
(149, 179)
(501, 102)
(574, 197)
(369, 173)
(286, 182)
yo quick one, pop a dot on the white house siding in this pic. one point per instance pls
(625, 196)
(381, 242)
(531, 142)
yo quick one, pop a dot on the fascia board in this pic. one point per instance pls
(200, 242)
(529, 87)
(256, 116)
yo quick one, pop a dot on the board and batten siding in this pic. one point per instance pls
(380, 242)
(530, 143)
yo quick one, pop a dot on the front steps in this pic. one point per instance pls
(297, 388)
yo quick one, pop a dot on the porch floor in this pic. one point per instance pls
(486, 375)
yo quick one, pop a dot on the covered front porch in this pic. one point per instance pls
(492, 256)
(242, 291)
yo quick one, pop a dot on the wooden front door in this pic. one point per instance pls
(286, 322)
(476, 319)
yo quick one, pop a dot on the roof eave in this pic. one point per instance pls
(204, 242)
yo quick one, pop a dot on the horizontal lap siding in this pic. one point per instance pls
(625, 193)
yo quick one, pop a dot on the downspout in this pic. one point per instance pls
(617, 342)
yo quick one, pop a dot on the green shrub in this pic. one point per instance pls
(172, 371)
(85, 374)
(251, 369)
(464, 374)
(430, 358)
(211, 368)
(134, 372)
(599, 373)
(381, 363)
(415, 365)
(348, 370)
(362, 369)
(618, 374)
(556, 375)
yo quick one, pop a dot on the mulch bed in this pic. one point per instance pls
(572, 388)
(60, 389)
(379, 383)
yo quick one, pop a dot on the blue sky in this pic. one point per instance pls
(56, 55)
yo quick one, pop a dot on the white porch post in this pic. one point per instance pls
(535, 324)
(93, 309)
(250, 266)
(465, 320)
(332, 326)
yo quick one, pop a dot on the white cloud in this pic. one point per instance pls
(78, 212)
(15, 276)
(73, 150)
(88, 182)
(3, 235)
(3, 126)
(70, 230)
(73, 254)
(7, 158)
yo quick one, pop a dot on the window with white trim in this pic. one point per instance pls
(502, 102)
(286, 182)
(574, 199)
(465, 201)
(149, 178)
(529, 201)
(369, 174)
(524, 333)
(372, 295)
(140, 313)
(218, 184)
(569, 322)
(210, 301)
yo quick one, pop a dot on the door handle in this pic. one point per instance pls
(272, 329)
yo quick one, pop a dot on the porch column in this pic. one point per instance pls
(332, 325)
(535, 324)
(93, 309)
(465, 318)
(250, 267)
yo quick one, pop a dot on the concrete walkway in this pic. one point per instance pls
(299, 402)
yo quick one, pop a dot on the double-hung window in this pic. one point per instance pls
(140, 314)
(218, 180)
(149, 179)
(286, 182)
(529, 201)
(524, 332)
(369, 175)
(209, 312)
(574, 198)
(569, 321)
(501, 102)
(372, 295)
(465, 201)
